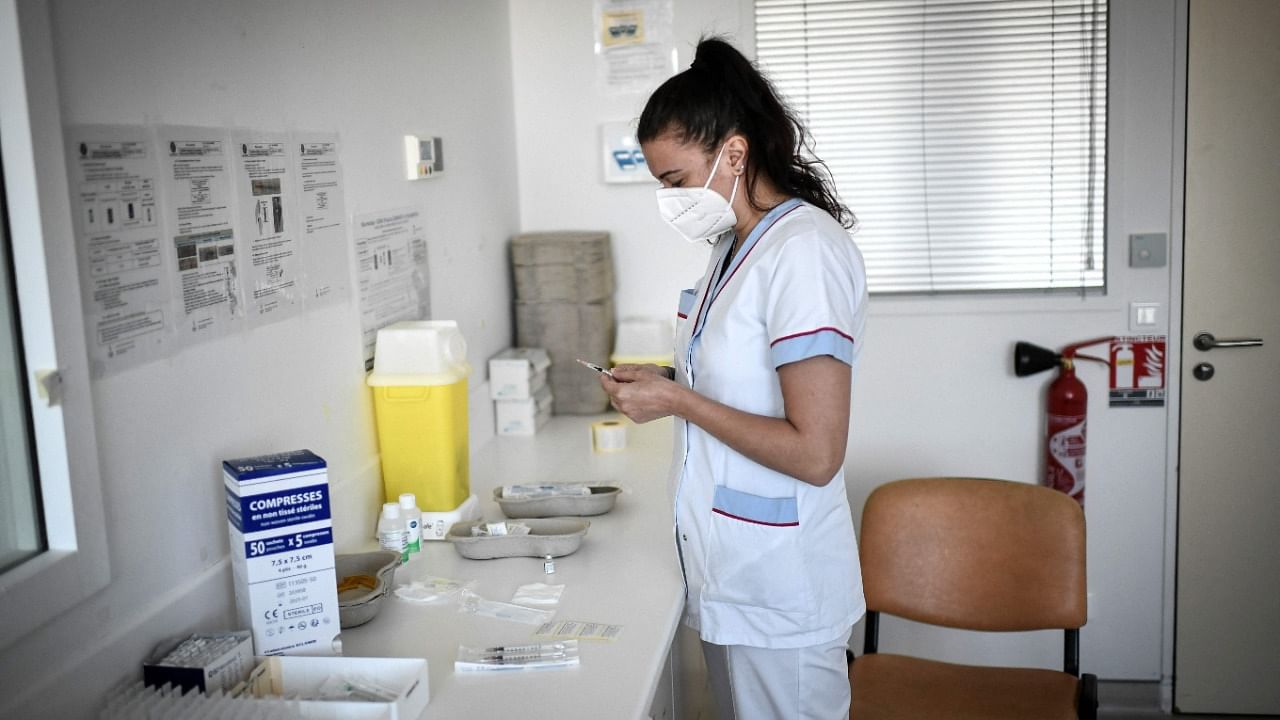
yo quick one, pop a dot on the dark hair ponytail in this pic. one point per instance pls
(722, 93)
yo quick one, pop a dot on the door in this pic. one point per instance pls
(1227, 631)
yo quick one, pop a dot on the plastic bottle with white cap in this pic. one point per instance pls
(412, 520)
(393, 534)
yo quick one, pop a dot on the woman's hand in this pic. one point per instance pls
(642, 392)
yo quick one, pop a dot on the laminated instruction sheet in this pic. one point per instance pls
(322, 213)
(114, 175)
(265, 194)
(197, 176)
(184, 234)
(391, 255)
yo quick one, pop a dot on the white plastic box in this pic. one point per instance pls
(282, 560)
(284, 676)
(518, 373)
(523, 417)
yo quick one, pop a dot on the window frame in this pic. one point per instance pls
(76, 564)
(20, 489)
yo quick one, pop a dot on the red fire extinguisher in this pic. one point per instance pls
(1068, 407)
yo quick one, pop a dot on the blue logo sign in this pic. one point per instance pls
(629, 160)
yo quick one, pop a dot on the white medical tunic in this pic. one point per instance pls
(768, 560)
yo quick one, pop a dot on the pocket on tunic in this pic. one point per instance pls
(755, 556)
(687, 298)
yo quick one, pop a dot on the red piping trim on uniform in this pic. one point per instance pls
(813, 332)
(718, 511)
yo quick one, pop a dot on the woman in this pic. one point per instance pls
(765, 350)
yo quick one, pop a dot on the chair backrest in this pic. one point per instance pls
(974, 553)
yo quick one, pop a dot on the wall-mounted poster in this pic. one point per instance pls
(114, 179)
(197, 166)
(634, 49)
(391, 258)
(322, 214)
(266, 198)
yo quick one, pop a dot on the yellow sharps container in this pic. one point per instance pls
(419, 383)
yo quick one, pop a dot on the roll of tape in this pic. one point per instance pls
(608, 435)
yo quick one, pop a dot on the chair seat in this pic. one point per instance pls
(895, 686)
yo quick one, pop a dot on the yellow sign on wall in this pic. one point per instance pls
(622, 27)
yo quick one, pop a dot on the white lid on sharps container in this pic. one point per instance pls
(391, 511)
(417, 353)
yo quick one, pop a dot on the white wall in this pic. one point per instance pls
(372, 72)
(936, 394)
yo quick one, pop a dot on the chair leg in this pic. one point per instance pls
(1087, 700)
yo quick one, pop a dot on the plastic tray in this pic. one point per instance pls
(357, 608)
(546, 537)
(599, 502)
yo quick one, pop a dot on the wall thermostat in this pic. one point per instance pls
(423, 157)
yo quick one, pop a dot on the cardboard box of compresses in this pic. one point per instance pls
(282, 552)
(523, 417)
(518, 373)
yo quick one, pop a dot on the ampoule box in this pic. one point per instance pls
(518, 373)
(203, 661)
(523, 417)
(282, 552)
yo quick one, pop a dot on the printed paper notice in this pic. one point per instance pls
(634, 50)
(391, 258)
(326, 258)
(265, 195)
(197, 169)
(114, 175)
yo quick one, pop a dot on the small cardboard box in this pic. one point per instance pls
(281, 535)
(206, 674)
(523, 417)
(517, 373)
(303, 676)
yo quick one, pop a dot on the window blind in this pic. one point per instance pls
(968, 137)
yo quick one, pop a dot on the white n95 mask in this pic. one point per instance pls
(699, 213)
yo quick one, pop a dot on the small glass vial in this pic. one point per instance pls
(548, 564)
(393, 534)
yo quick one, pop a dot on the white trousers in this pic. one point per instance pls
(749, 683)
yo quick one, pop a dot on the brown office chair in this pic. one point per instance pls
(975, 554)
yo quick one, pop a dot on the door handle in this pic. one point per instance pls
(1206, 341)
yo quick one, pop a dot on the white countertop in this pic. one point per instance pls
(625, 573)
